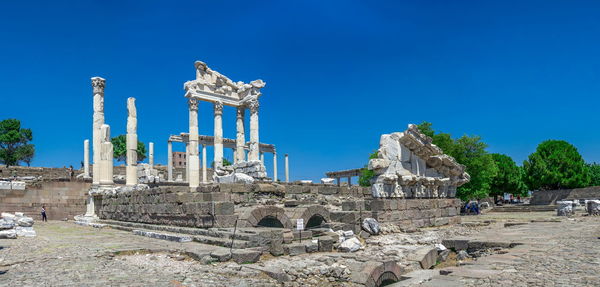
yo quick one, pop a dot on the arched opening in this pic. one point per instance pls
(270, 221)
(387, 278)
(315, 221)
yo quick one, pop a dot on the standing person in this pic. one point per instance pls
(44, 217)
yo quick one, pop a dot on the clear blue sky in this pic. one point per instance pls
(338, 74)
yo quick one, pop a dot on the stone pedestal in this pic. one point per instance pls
(105, 169)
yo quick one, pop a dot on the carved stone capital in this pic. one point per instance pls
(218, 108)
(98, 84)
(253, 106)
(193, 104)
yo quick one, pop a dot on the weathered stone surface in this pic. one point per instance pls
(426, 256)
(5, 224)
(311, 247)
(25, 231)
(8, 234)
(221, 255)
(325, 244)
(371, 226)
(350, 245)
(327, 180)
(163, 236)
(564, 208)
(242, 256)
(295, 249)
(25, 221)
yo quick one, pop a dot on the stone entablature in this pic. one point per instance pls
(212, 86)
(410, 166)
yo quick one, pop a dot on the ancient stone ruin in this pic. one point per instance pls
(410, 166)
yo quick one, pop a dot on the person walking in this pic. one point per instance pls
(44, 217)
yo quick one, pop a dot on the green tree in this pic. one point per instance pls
(120, 149)
(226, 162)
(509, 178)
(471, 152)
(14, 143)
(480, 165)
(555, 164)
(594, 169)
(365, 174)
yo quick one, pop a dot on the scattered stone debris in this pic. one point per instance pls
(16, 225)
(565, 208)
(371, 226)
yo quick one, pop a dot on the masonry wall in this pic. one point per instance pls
(46, 173)
(550, 197)
(63, 199)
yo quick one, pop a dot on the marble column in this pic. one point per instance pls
(132, 140)
(349, 181)
(187, 161)
(274, 166)
(262, 157)
(106, 157)
(170, 161)
(151, 154)
(98, 85)
(287, 169)
(240, 140)
(254, 141)
(204, 180)
(193, 161)
(86, 159)
(218, 135)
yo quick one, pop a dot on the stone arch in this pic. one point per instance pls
(380, 274)
(316, 213)
(268, 216)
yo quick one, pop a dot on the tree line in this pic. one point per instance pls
(555, 164)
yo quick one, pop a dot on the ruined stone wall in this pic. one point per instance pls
(63, 199)
(46, 173)
(550, 197)
(170, 205)
(406, 213)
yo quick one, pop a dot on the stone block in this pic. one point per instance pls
(224, 208)
(241, 256)
(311, 246)
(294, 249)
(325, 243)
(221, 255)
(456, 244)
(306, 234)
(426, 257)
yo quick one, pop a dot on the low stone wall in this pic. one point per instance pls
(46, 173)
(219, 205)
(405, 213)
(550, 197)
(63, 199)
(169, 205)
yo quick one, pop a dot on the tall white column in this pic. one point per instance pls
(240, 140)
(262, 157)
(170, 161)
(218, 135)
(86, 159)
(98, 85)
(204, 164)
(151, 154)
(274, 166)
(187, 161)
(106, 157)
(254, 148)
(132, 140)
(193, 161)
(287, 169)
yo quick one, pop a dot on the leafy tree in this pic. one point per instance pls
(226, 162)
(594, 169)
(471, 152)
(556, 164)
(509, 178)
(14, 143)
(120, 149)
(365, 174)
(480, 165)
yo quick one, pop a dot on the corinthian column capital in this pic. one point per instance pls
(98, 84)
(218, 108)
(253, 106)
(193, 104)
